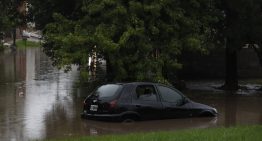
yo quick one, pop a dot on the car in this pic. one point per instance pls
(141, 101)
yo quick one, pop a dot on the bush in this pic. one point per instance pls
(1, 47)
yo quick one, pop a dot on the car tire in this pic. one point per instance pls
(206, 114)
(129, 118)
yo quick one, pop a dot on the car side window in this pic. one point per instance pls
(170, 95)
(146, 93)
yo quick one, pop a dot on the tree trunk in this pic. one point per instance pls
(14, 37)
(231, 82)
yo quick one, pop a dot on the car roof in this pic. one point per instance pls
(139, 83)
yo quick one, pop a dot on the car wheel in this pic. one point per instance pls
(207, 114)
(129, 118)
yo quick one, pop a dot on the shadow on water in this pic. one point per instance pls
(37, 101)
(230, 109)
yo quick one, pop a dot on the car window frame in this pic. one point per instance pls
(134, 97)
(115, 96)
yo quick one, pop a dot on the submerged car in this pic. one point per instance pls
(141, 101)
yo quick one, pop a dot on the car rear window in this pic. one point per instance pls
(108, 90)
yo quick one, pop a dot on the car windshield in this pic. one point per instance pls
(107, 90)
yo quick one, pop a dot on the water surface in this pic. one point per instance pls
(37, 101)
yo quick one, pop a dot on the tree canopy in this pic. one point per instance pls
(41, 11)
(140, 40)
(241, 26)
(10, 16)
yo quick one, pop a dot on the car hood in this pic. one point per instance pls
(195, 105)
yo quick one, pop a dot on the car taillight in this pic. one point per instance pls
(113, 104)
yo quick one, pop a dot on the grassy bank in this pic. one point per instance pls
(23, 44)
(1, 47)
(247, 133)
(251, 81)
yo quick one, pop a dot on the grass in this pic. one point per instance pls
(1, 47)
(244, 133)
(251, 81)
(23, 44)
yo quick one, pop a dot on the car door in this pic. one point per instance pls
(146, 102)
(173, 102)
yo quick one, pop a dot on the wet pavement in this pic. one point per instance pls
(38, 101)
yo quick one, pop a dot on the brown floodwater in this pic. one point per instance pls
(37, 101)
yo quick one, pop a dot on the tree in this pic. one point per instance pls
(4, 21)
(140, 40)
(41, 11)
(10, 17)
(241, 26)
(3, 24)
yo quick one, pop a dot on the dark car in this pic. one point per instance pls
(140, 101)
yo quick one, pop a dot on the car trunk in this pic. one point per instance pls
(104, 102)
(99, 106)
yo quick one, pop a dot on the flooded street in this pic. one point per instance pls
(37, 101)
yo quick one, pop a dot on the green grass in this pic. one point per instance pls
(23, 44)
(246, 133)
(251, 81)
(1, 47)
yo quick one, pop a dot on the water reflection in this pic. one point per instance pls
(38, 101)
(13, 66)
(98, 128)
(31, 88)
(230, 109)
(234, 109)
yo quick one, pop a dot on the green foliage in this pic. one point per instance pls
(41, 11)
(5, 21)
(10, 17)
(241, 25)
(65, 43)
(1, 47)
(27, 44)
(84, 75)
(140, 40)
(242, 22)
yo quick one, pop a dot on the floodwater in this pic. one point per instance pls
(37, 101)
